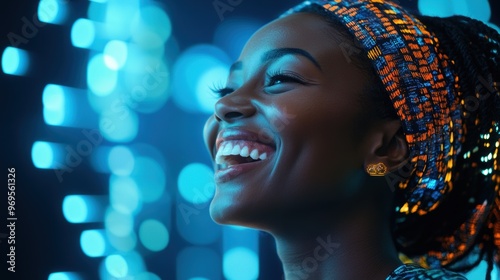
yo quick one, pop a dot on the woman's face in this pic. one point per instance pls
(283, 137)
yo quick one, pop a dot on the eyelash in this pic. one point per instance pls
(220, 90)
(286, 76)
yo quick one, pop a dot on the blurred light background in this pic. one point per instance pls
(104, 102)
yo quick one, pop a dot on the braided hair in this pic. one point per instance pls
(474, 49)
(461, 227)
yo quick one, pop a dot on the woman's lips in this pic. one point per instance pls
(241, 149)
(239, 133)
(229, 173)
(238, 150)
(235, 157)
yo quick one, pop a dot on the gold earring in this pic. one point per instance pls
(378, 169)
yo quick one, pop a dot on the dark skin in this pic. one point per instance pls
(303, 100)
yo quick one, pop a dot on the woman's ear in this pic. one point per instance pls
(386, 144)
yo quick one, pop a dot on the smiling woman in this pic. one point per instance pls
(334, 100)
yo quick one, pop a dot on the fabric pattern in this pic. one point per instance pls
(414, 272)
(419, 79)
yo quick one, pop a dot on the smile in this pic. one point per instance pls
(239, 151)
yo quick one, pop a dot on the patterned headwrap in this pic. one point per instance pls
(420, 81)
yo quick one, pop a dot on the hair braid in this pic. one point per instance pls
(475, 50)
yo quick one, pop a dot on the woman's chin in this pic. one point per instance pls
(217, 215)
(226, 212)
(223, 212)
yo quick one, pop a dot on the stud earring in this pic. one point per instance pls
(378, 169)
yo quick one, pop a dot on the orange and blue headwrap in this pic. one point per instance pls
(420, 81)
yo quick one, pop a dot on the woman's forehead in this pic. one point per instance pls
(302, 31)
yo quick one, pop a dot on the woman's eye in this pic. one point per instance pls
(282, 81)
(275, 83)
(221, 92)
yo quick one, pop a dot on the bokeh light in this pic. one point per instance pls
(240, 263)
(112, 103)
(101, 79)
(15, 61)
(153, 235)
(195, 183)
(120, 126)
(205, 86)
(478, 272)
(124, 195)
(43, 154)
(93, 243)
(63, 276)
(97, 10)
(53, 104)
(442, 8)
(150, 178)
(135, 263)
(67, 106)
(118, 223)
(121, 160)
(64, 157)
(118, 18)
(146, 78)
(52, 11)
(241, 246)
(99, 159)
(477, 9)
(115, 54)
(122, 243)
(84, 208)
(129, 265)
(83, 33)
(116, 266)
(191, 73)
(151, 27)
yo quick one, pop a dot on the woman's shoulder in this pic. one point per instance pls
(415, 272)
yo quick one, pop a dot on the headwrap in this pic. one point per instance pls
(420, 81)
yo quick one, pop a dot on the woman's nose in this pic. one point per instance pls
(232, 107)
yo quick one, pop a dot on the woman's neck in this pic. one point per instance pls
(360, 247)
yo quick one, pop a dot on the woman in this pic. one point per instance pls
(362, 137)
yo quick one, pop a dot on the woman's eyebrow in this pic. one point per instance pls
(277, 53)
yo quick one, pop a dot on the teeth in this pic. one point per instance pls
(218, 157)
(254, 154)
(228, 149)
(236, 150)
(245, 152)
